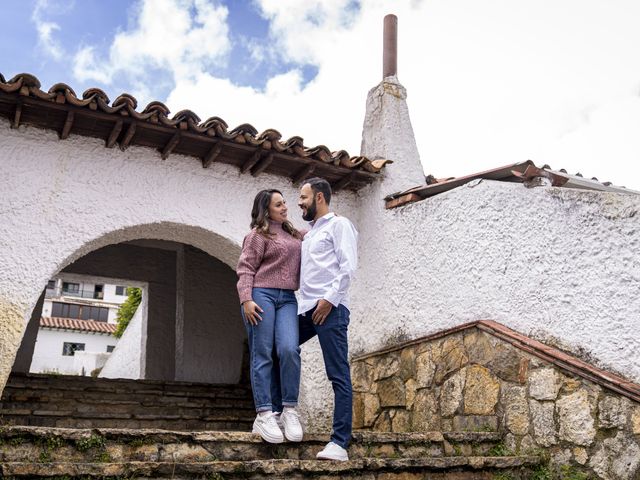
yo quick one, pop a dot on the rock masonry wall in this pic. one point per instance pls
(470, 380)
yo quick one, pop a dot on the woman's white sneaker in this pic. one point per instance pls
(268, 428)
(291, 424)
(333, 451)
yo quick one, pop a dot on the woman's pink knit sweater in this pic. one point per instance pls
(268, 262)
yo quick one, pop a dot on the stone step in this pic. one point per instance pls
(76, 385)
(168, 422)
(84, 402)
(23, 444)
(443, 468)
(125, 406)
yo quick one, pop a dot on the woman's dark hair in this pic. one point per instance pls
(260, 215)
(318, 184)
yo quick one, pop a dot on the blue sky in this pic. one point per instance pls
(490, 82)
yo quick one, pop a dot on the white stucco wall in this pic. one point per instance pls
(126, 360)
(48, 219)
(47, 356)
(561, 265)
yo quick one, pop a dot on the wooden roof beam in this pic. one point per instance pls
(262, 165)
(248, 165)
(68, 123)
(113, 136)
(303, 173)
(16, 116)
(128, 136)
(171, 145)
(344, 181)
(212, 155)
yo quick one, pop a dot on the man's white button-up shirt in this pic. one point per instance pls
(329, 259)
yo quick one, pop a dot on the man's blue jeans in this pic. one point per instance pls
(275, 336)
(332, 335)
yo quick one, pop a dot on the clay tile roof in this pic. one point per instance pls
(120, 123)
(80, 325)
(524, 172)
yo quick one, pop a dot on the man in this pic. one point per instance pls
(329, 259)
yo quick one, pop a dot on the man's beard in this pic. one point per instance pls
(311, 212)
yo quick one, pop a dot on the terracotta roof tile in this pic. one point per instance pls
(75, 324)
(60, 108)
(524, 172)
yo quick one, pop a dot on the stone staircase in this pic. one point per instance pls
(83, 428)
(85, 402)
(44, 452)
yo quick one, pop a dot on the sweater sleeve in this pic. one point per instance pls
(248, 264)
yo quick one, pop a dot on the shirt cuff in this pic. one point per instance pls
(333, 298)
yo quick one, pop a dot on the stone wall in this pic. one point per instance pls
(472, 379)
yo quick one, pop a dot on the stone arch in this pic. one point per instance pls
(219, 247)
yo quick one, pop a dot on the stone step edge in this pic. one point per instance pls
(267, 467)
(209, 417)
(359, 436)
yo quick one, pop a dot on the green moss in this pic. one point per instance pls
(503, 476)
(541, 473)
(568, 472)
(93, 442)
(499, 450)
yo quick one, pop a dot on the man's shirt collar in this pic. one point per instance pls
(325, 217)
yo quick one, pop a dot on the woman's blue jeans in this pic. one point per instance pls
(275, 336)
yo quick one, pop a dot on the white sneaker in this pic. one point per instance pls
(268, 428)
(291, 424)
(333, 451)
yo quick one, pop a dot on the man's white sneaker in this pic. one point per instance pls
(268, 428)
(291, 425)
(333, 451)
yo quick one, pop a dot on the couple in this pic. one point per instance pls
(276, 260)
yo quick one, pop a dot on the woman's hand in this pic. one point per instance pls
(251, 310)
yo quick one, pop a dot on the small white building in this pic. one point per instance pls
(71, 346)
(76, 330)
(83, 297)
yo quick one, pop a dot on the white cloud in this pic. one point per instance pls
(489, 83)
(167, 36)
(46, 30)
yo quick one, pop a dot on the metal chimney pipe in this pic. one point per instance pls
(390, 46)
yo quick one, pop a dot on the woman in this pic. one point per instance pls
(268, 274)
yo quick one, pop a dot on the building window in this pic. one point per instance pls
(68, 287)
(110, 348)
(80, 312)
(69, 349)
(121, 290)
(51, 284)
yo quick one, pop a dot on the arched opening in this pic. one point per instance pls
(187, 330)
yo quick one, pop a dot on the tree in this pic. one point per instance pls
(127, 310)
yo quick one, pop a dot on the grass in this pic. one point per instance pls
(499, 450)
(93, 442)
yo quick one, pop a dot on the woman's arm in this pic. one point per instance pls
(248, 265)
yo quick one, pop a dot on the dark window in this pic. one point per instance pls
(121, 290)
(98, 291)
(110, 348)
(69, 349)
(70, 287)
(81, 312)
(51, 284)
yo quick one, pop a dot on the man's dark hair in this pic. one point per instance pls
(318, 184)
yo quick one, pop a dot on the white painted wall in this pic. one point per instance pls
(558, 264)
(126, 360)
(47, 356)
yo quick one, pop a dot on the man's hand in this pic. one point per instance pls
(323, 309)
(251, 310)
